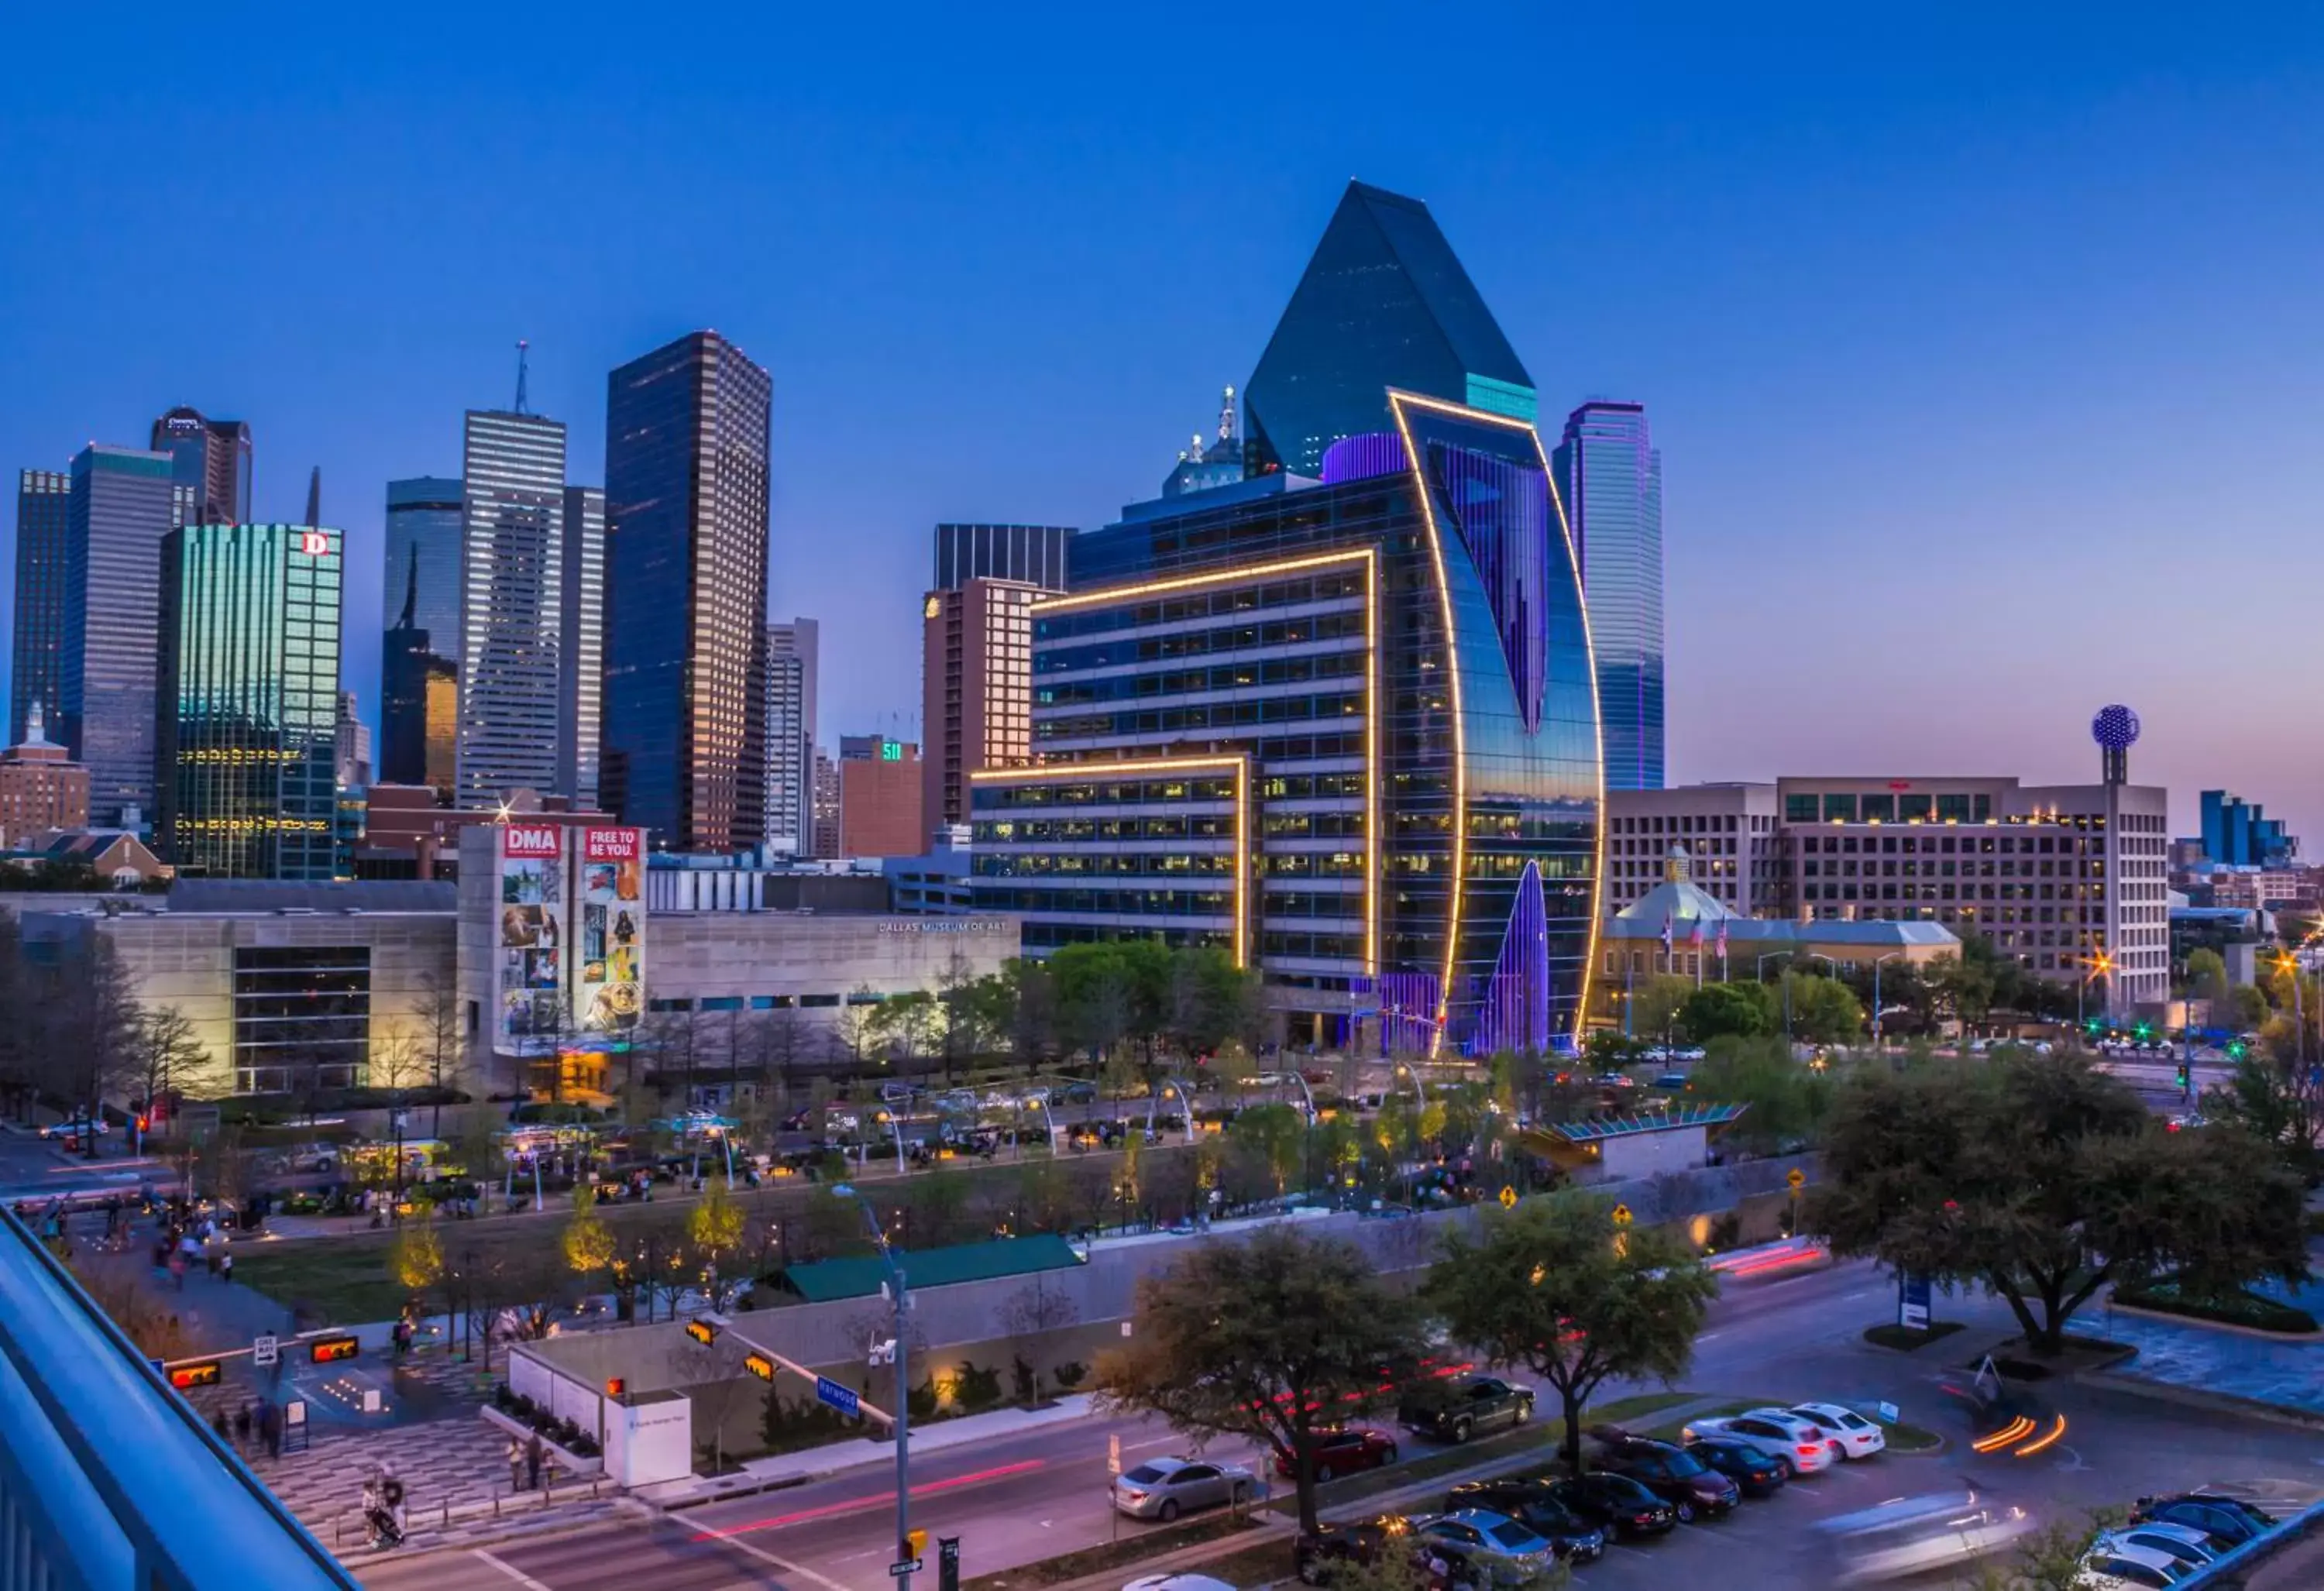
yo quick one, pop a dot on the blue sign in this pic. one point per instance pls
(1913, 1302)
(842, 1398)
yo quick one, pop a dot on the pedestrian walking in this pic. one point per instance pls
(225, 1267)
(269, 1429)
(516, 1465)
(243, 1422)
(533, 1454)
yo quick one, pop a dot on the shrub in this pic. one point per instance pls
(980, 1387)
(2239, 1308)
(1069, 1375)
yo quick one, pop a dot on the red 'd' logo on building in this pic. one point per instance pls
(313, 543)
(613, 844)
(529, 840)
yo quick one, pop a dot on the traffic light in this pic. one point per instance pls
(2235, 1050)
(914, 1543)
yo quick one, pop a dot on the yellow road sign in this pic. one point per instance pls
(1621, 1215)
(1797, 1178)
(1508, 1197)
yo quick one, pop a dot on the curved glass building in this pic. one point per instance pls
(1347, 731)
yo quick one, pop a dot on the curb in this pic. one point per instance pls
(420, 1544)
(2215, 1403)
(2257, 1333)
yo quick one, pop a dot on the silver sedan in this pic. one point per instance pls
(1165, 1488)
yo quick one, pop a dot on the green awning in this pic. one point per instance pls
(825, 1279)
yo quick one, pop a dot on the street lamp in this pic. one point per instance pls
(901, 1301)
(1759, 971)
(1891, 956)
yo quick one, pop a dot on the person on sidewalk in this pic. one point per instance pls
(516, 1465)
(533, 1454)
(225, 1267)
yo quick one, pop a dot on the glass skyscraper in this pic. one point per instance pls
(121, 503)
(1611, 476)
(512, 604)
(211, 459)
(581, 657)
(791, 659)
(44, 522)
(1036, 555)
(1353, 724)
(423, 556)
(686, 440)
(249, 680)
(421, 585)
(1384, 303)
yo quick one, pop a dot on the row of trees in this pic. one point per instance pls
(1284, 1337)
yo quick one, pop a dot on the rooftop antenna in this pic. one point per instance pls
(1227, 416)
(521, 346)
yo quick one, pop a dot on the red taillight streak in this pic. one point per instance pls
(826, 1510)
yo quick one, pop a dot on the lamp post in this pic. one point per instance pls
(1759, 971)
(1891, 956)
(901, 1301)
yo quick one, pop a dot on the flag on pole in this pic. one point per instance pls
(1694, 936)
(1666, 933)
(1722, 939)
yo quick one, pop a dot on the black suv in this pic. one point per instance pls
(1616, 1504)
(1533, 1504)
(1679, 1478)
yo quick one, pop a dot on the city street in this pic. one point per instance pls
(1014, 1501)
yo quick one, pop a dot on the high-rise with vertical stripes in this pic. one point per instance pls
(686, 435)
(512, 605)
(121, 503)
(43, 513)
(582, 659)
(1611, 476)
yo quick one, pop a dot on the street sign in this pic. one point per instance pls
(1888, 1413)
(294, 1426)
(1621, 1215)
(1508, 1197)
(910, 1565)
(842, 1398)
(1113, 1455)
(1797, 1178)
(265, 1350)
(1913, 1302)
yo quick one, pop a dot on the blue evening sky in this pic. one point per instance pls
(1984, 346)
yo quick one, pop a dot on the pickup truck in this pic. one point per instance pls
(1456, 1410)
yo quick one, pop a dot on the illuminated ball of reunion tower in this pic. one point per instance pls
(2115, 729)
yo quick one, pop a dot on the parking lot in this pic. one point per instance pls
(2118, 1447)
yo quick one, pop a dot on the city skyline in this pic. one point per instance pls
(1832, 311)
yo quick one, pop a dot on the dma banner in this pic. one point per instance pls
(527, 966)
(609, 988)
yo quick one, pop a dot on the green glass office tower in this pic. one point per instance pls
(1383, 303)
(249, 681)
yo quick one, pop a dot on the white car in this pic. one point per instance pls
(1857, 1437)
(2118, 1566)
(1799, 1445)
(1177, 1583)
(2189, 1545)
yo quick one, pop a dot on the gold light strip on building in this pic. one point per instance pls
(1117, 593)
(1239, 765)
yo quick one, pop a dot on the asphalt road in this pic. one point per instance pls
(1016, 1501)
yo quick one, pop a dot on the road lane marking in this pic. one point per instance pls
(784, 1564)
(874, 1500)
(1156, 1442)
(510, 1570)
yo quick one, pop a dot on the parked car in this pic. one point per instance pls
(1177, 1583)
(2189, 1545)
(2227, 1521)
(1616, 1503)
(1857, 1437)
(1454, 1411)
(1344, 1452)
(1799, 1447)
(1165, 1488)
(1363, 1541)
(1534, 1504)
(1754, 1471)
(2118, 1566)
(1508, 1552)
(1679, 1478)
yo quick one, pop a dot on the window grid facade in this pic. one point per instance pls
(123, 502)
(513, 606)
(249, 678)
(44, 522)
(976, 687)
(1611, 476)
(301, 1017)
